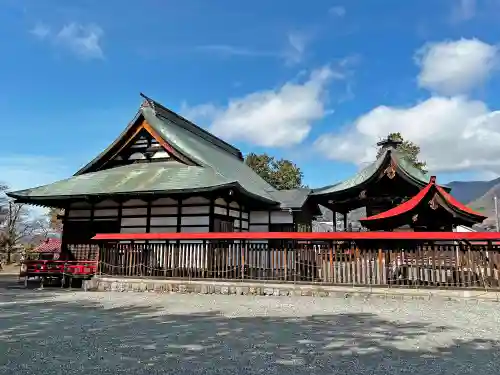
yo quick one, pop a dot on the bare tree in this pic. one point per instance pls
(19, 227)
(55, 222)
(3, 202)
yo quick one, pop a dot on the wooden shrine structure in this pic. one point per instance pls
(168, 199)
(432, 209)
(391, 182)
(164, 174)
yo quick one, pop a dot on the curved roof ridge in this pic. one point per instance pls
(203, 152)
(163, 111)
(408, 168)
(359, 178)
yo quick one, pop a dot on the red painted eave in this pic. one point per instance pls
(415, 201)
(449, 198)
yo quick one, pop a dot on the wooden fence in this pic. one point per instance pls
(414, 263)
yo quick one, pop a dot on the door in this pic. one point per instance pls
(77, 237)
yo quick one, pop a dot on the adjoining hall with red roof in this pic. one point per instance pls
(432, 209)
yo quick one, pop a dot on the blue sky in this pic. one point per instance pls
(318, 82)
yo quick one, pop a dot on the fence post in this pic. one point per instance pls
(285, 254)
(243, 247)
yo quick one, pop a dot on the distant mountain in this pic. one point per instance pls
(469, 191)
(486, 203)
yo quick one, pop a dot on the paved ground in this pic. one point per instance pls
(62, 332)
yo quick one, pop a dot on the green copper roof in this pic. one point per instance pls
(133, 178)
(206, 155)
(216, 164)
(405, 167)
(293, 198)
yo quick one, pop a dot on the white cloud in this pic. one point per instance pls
(40, 31)
(229, 50)
(293, 53)
(82, 40)
(463, 10)
(338, 11)
(296, 48)
(272, 118)
(455, 67)
(455, 133)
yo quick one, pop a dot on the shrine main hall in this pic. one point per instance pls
(164, 174)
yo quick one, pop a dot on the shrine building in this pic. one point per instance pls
(164, 174)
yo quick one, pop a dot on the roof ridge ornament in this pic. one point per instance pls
(432, 180)
(390, 171)
(389, 143)
(433, 202)
(148, 103)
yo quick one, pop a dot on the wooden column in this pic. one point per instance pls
(211, 213)
(148, 214)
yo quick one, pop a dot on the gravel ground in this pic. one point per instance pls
(53, 331)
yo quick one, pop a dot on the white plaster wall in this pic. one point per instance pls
(169, 210)
(259, 217)
(108, 209)
(78, 213)
(163, 221)
(281, 217)
(195, 210)
(195, 220)
(277, 217)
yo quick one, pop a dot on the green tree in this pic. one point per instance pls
(409, 149)
(282, 173)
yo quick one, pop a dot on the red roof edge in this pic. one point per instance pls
(449, 198)
(403, 207)
(414, 201)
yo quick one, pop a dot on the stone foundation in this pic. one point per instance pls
(108, 284)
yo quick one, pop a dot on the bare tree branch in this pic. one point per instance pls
(18, 227)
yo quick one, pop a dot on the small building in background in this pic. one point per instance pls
(50, 248)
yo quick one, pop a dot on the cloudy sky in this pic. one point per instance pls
(318, 82)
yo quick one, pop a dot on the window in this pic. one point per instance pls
(222, 225)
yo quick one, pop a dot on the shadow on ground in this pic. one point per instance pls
(42, 337)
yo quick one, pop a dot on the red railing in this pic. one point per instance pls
(58, 268)
(319, 236)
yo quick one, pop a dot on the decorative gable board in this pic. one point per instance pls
(144, 148)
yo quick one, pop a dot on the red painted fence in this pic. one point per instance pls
(319, 236)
